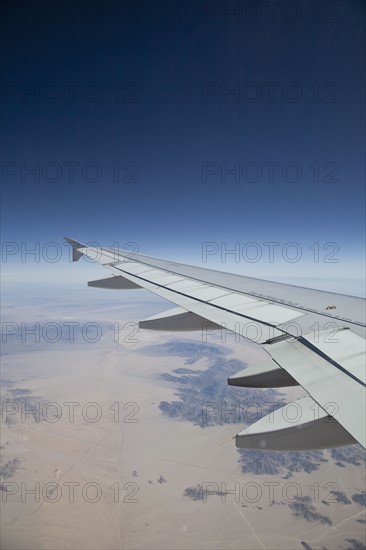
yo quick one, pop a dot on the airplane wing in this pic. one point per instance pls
(313, 338)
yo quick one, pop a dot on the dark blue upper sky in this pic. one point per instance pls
(172, 123)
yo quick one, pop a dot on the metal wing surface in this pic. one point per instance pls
(313, 338)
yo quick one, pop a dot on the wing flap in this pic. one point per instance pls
(344, 347)
(300, 425)
(265, 375)
(117, 282)
(177, 319)
(333, 388)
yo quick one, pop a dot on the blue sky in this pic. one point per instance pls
(171, 124)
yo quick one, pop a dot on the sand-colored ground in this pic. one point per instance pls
(123, 459)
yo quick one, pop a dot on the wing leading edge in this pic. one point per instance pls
(313, 338)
